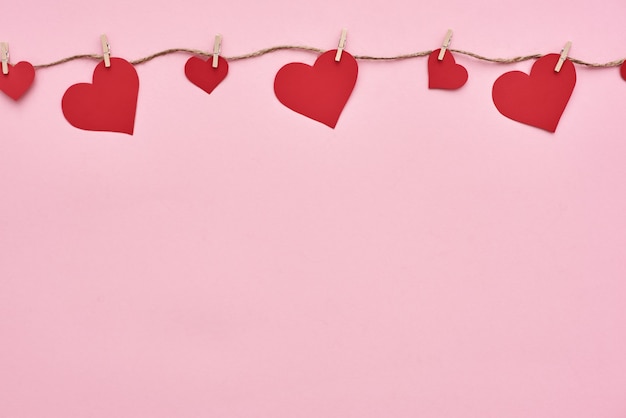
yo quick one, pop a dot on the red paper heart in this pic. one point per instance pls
(109, 104)
(538, 99)
(18, 81)
(202, 74)
(319, 92)
(622, 70)
(445, 74)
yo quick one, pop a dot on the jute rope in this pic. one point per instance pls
(264, 51)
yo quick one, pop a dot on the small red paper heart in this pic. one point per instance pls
(445, 74)
(622, 70)
(202, 74)
(319, 92)
(538, 99)
(109, 104)
(18, 81)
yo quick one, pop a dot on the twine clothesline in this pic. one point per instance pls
(265, 51)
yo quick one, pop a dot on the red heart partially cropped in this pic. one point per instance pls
(18, 81)
(319, 92)
(109, 104)
(622, 70)
(202, 74)
(538, 99)
(445, 74)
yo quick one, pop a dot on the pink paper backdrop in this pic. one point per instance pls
(427, 258)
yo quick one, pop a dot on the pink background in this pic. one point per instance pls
(427, 258)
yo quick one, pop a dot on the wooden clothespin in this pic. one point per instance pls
(563, 56)
(342, 44)
(217, 48)
(445, 45)
(106, 50)
(4, 55)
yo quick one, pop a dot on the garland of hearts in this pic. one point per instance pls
(319, 92)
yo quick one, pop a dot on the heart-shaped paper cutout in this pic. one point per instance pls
(622, 70)
(319, 92)
(109, 104)
(445, 74)
(202, 74)
(538, 99)
(18, 81)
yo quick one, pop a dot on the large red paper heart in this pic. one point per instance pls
(622, 70)
(319, 92)
(202, 74)
(538, 99)
(18, 81)
(445, 74)
(109, 104)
